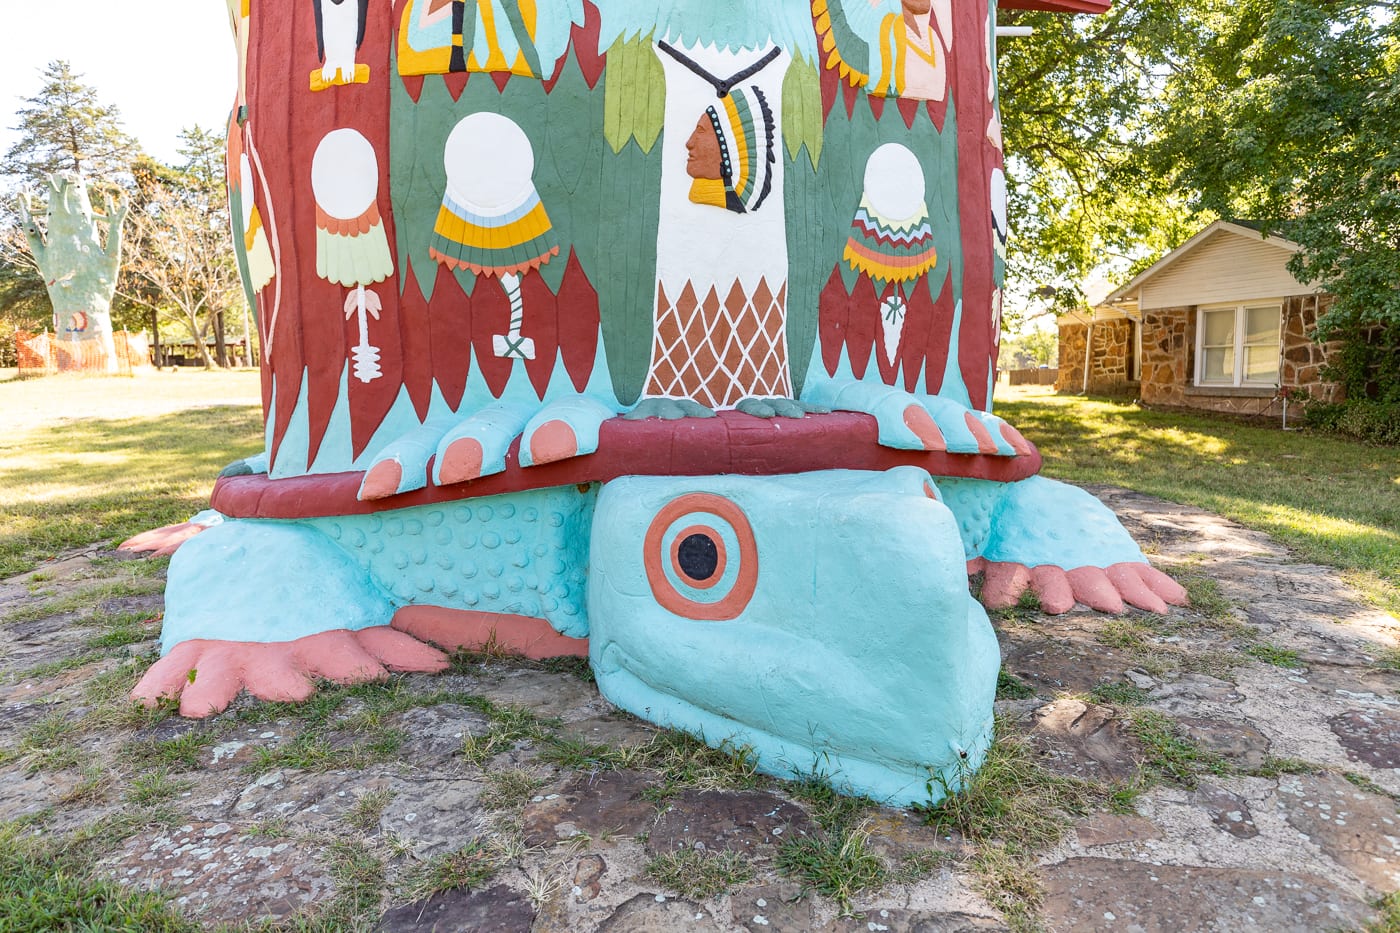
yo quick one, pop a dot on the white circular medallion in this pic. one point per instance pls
(490, 162)
(344, 174)
(894, 182)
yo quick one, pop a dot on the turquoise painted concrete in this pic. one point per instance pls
(861, 655)
(1037, 522)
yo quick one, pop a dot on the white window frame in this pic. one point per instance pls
(1241, 321)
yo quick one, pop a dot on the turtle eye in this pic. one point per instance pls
(701, 559)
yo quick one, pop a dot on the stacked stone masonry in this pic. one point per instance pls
(1110, 363)
(1169, 360)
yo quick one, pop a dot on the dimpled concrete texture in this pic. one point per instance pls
(522, 554)
(838, 637)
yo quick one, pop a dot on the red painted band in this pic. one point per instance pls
(732, 443)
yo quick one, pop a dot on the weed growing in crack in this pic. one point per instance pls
(509, 789)
(1011, 798)
(469, 867)
(1118, 693)
(1010, 687)
(1171, 755)
(1273, 654)
(699, 874)
(155, 787)
(839, 865)
(183, 753)
(365, 813)
(1008, 881)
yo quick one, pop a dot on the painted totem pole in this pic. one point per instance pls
(661, 333)
(79, 269)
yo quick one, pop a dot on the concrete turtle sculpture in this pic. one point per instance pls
(672, 344)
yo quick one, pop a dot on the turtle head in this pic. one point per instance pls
(822, 620)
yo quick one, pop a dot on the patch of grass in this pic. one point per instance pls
(277, 828)
(183, 753)
(1171, 755)
(469, 867)
(40, 892)
(86, 602)
(1206, 597)
(315, 751)
(61, 666)
(1012, 799)
(509, 789)
(1273, 654)
(1026, 610)
(1273, 767)
(509, 726)
(91, 789)
(834, 812)
(365, 813)
(1364, 783)
(49, 743)
(683, 762)
(1117, 693)
(1007, 879)
(1389, 919)
(839, 865)
(916, 866)
(577, 667)
(156, 786)
(56, 475)
(359, 881)
(1330, 500)
(1388, 659)
(1011, 687)
(698, 875)
(1125, 634)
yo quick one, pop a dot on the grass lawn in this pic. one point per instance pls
(87, 459)
(91, 459)
(1332, 501)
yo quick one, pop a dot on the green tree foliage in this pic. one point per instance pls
(1080, 99)
(65, 127)
(1291, 117)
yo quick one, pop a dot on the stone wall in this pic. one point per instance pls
(1303, 358)
(1168, 355)
(1110, 363)
(1169, 362)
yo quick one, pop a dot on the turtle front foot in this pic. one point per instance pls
(1105, 589)
(1058, 542)
(912, 422)
(477, 445)
(205, 675)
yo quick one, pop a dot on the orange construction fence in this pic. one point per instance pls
(43, 353)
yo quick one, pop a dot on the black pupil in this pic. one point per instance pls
(699, 557)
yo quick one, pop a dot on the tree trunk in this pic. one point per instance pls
(155, 337)
(220, 346)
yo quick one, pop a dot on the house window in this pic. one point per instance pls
(1238, 345)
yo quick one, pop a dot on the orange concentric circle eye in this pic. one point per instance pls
(701, 558)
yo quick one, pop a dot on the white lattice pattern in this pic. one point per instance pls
(719, 351)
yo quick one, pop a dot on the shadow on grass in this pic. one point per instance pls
(76, 483)
(1332, 501)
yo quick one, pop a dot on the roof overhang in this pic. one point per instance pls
(1058, 6)
(1127, 296)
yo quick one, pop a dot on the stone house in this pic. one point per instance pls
(1218, 324)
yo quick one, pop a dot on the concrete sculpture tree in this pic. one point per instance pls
(683, 346)
(79, 269)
